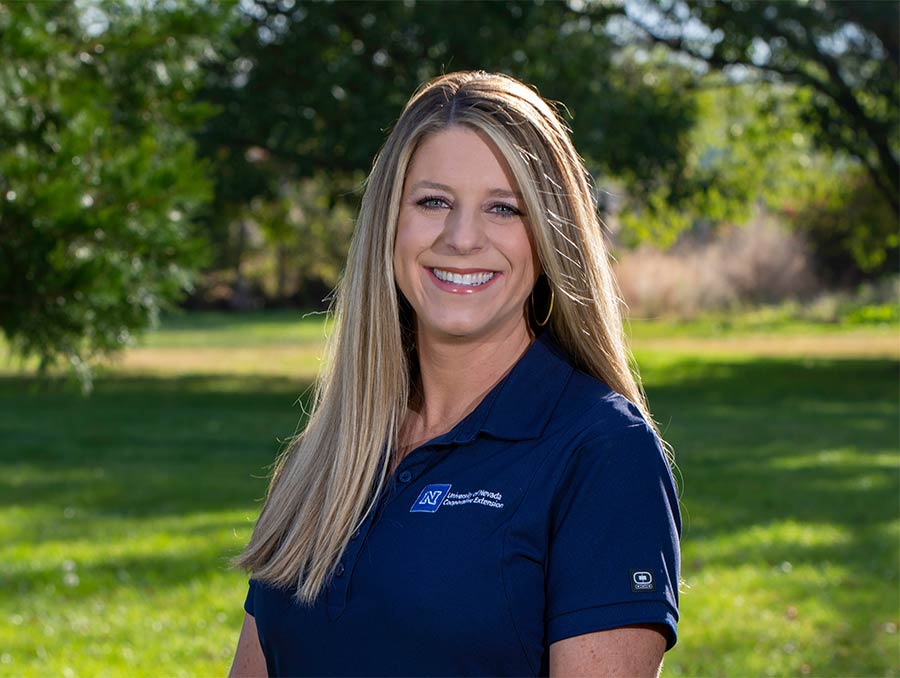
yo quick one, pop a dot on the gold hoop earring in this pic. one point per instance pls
(549, 310)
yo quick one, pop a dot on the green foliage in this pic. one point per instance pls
(882, 314)
(784, 513)
(840, 63)
(99, 182)
(753, 146)
(852, 228)
(846, 55)
(307, 238)
(746, 146)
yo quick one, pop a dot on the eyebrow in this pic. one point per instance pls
(494, 192)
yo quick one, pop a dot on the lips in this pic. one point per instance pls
(462, 281)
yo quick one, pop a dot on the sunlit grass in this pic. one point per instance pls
(231, 330)
(288, 343)
(119, 513)
(790, 498)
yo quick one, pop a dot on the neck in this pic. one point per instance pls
(455, 375)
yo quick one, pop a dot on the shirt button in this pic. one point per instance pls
(405, 477)
(340, 569)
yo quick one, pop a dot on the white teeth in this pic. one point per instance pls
(469, 279)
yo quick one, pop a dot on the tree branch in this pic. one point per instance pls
(886, 172)
(885, 175)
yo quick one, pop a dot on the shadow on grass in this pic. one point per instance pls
(143, 446)
(757, 443)
(219, 320)
(773, 440)
(146, 574)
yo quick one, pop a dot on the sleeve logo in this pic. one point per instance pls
(642, 581)
(430, 499)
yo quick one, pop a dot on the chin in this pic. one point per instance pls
(459, 331)
(459, 328)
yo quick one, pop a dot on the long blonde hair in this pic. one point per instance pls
(327, 480)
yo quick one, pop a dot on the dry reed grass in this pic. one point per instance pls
(761, 262)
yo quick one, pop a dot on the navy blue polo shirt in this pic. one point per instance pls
(548, 512)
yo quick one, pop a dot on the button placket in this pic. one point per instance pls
(402, 477)
(339, 588)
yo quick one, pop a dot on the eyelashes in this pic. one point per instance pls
(431, 203)
(427, 202)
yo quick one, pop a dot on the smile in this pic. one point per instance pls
(464, 279)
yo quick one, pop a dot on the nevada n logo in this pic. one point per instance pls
(430, 499)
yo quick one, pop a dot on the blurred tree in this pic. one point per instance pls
(98, 177)
(752, 147)
(311, 89)
(307, 238)
(740, 151)
(846, 54)
(852, 229)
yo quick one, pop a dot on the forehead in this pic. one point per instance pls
(460, 158)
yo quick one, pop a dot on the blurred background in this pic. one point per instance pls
(178, 186)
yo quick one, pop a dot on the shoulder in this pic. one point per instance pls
(586, 401)
(604, 440)
(568, 410)
(612, 456)
(597, 414)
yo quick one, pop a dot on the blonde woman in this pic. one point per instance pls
(480, 489)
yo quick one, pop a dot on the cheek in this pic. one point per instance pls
(521, 253)
(405, 251)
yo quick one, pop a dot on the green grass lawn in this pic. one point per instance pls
(119, 512)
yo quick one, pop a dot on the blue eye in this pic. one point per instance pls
(505, 210)
(431, 202)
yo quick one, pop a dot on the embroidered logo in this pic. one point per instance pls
(642, 581)
(430, 499)
(435, 496)
(483, 497)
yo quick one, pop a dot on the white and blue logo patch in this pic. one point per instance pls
(642, 581)
(430, 499)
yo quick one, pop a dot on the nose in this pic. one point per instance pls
(463, 232)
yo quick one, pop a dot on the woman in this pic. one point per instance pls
(480, 489)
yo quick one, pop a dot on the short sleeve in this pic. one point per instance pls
(248, 603)
(614, 547)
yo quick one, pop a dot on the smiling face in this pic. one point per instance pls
(463, 257)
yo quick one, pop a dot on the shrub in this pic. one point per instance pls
(759, 263)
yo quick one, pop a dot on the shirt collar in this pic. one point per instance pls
(520, 405)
